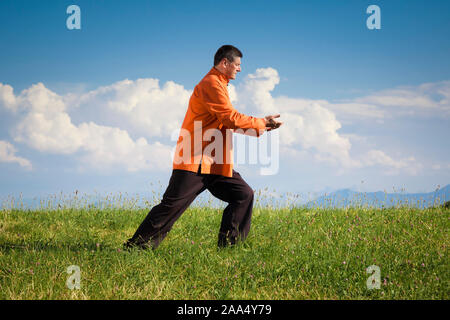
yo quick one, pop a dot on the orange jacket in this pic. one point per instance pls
(210, 108)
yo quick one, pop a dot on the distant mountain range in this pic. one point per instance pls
(347, 197)
(339, 199)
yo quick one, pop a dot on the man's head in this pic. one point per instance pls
(228, 60)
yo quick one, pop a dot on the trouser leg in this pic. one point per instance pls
(184, 187)
(236, 219)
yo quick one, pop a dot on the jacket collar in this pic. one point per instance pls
(223, 78)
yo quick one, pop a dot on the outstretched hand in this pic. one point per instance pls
(271, 123)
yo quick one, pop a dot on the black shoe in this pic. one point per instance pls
(129, 245)
(226, 241)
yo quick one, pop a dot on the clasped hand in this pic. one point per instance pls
(271, 123)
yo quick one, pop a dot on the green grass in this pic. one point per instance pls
(291, 253)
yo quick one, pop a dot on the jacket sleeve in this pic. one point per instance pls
(217, 102)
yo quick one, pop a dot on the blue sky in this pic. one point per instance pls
(321, 51)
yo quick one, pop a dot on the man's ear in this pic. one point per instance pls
(225, 62)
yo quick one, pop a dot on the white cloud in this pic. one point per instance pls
(307, 124)
(355, 110)
(48, 131)
(356, 138)
(428, 99)
(378, 157)
(436, 166)
(442, 166)
(254, 93)
(312, 125)
(8, 154)
(118, 125)
(114, 147)
(7, 97)
(232, 93)
(399, 98)
(46, 126)
(140, 106)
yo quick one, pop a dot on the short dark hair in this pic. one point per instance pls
(227, 51)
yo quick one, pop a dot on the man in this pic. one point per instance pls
(196, 167)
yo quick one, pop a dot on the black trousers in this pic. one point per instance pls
(184, 187)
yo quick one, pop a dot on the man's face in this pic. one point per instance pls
(232, 68)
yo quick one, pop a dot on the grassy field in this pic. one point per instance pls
(291, 253)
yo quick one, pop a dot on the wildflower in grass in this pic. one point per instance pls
(344, 262)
